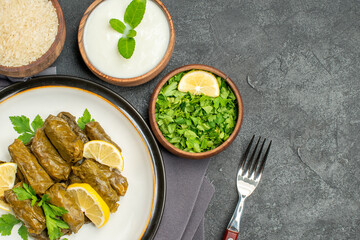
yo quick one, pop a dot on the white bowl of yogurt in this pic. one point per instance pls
(97, 41)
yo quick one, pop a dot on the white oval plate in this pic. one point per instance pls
(140, 210)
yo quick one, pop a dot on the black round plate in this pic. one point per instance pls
(135, 117)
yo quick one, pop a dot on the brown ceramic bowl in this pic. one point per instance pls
(171, 148)
(127, 82)
(45, 60)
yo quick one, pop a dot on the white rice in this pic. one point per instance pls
(27, 30)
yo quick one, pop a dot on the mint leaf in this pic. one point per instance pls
(134, 12)
(117, 25)
(23, 232)
(126, 47)
(26, 137)
(37, 123)
(7, 222)
(131, 33)
(86, 117)
(21, 124)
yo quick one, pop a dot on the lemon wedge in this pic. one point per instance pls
(7, 180)
(91, 203)
(4, 206)
(199, 82)
(105, 153)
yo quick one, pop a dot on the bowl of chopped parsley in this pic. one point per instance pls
(196, 111)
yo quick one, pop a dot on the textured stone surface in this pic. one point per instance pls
(303, 63)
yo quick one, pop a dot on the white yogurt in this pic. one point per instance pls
(100, 40)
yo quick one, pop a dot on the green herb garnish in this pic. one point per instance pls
(126, 47)
(7, 223)
(23, 232)
(52, 212)
(134, 14)
(195, 123)
(117, 25)
(26, 192)
(54, 224)
(22, 126)
(86, 117)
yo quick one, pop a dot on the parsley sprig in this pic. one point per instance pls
(27, 131)
(52, 213)
(26, 192)
(22, 126)
(7, 222)
(134, 14)
(86, 117)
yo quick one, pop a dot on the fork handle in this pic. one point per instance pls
(230, 235)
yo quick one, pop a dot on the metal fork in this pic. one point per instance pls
(248, 177)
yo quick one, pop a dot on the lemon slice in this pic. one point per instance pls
(199, 82)
(105, 153)
(4, 206)
(91, 203)
(7, 180)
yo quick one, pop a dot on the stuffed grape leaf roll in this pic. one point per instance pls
(49, 158)
(64, 139)
(32, 216)
(30, 168)
(94, 131)
(90, 173)
(61, 198)
(71, 120)
(117, 181)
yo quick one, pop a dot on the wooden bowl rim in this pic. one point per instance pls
(46, 55)
(171, 148)
(134, 81)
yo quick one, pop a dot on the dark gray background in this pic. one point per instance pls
(302, 59)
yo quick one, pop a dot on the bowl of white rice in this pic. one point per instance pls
(32, 36)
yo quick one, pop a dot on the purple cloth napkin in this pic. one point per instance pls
(200, 232)
(202, 202)
(187, 197)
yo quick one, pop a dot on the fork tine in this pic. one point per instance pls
(262, 165)
(243, 159)
(254, 165)
(249, 161)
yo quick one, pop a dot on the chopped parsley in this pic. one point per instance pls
(195, 123)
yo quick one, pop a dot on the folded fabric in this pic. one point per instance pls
(202, 202)
(200, 232)
(184, 178)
